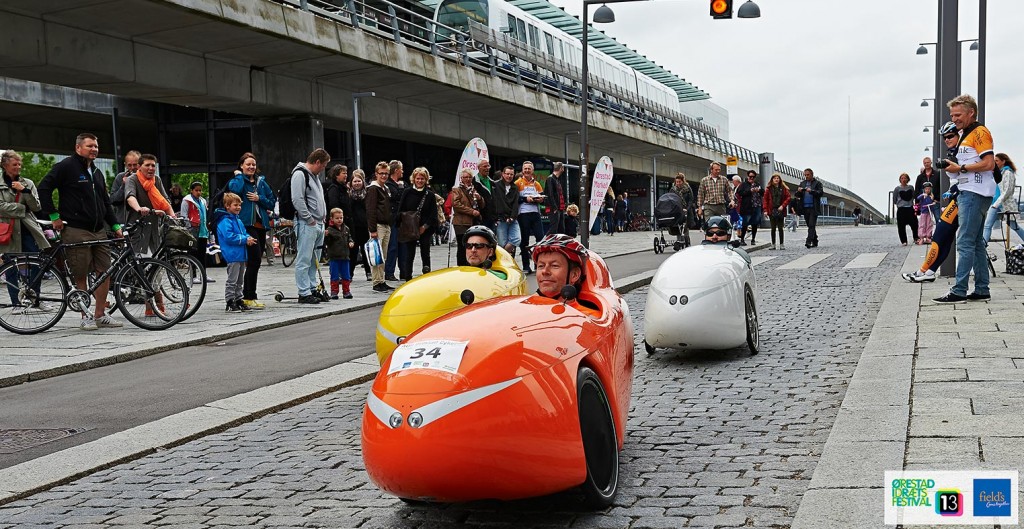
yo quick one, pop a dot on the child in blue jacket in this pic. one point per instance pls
(233, 239)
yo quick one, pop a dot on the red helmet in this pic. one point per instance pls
(563, 244)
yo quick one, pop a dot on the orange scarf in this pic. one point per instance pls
(155, 198)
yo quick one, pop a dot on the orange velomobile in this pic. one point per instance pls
(508, 398)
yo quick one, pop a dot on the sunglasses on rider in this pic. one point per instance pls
(717, 233)
(949, 136)
(477, 245)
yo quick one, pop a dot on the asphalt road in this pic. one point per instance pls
(114, 398)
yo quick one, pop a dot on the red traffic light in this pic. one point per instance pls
(721, 9)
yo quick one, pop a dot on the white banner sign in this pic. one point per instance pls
(472, 155)
(603, 174)
(442, 355)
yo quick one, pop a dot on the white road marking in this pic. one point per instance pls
(761, 259)
(805, 261)
(866, 260)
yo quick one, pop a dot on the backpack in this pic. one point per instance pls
(285, 206)
(216, 201)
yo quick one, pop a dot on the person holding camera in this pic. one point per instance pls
(976, 181)
(947, 223)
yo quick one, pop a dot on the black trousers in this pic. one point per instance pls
(906, 217)
(359, 236)
(252, 262)
(556, 222)
(811, 219)
(405, 259)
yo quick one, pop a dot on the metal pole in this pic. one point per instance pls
(947, 51)
(982, 43)
(117, 139)
(355, 132)
(654, 185)
(584, 99)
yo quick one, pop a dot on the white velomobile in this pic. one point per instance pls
(703, 297)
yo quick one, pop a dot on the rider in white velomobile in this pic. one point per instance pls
(704, 296)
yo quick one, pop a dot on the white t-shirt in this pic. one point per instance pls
(975, 145)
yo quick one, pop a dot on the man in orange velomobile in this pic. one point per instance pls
(560, 261)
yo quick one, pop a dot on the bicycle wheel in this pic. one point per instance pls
(194, 274)
(288, 244)
(151, 294)
(36, 296)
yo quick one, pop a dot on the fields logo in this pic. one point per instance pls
(992, 497)
(912, 492)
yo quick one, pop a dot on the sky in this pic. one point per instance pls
(790, 78)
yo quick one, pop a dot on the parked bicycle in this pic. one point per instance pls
(284, 232)
(638, 222)
(175, 242)
(150, 293)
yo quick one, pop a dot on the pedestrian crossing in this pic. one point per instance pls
(863, 260)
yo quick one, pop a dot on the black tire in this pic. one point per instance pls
(153, 296)
(46, 306)
(600, 443)
(648, 347)
(750, 315)
(657, 246)
(287, 243)
(190, 269)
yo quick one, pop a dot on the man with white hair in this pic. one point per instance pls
(974, 166)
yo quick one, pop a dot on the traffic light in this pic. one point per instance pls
(721, 9)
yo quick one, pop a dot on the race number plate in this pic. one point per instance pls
(442, 355)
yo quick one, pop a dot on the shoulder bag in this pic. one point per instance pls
(409, 222)
(7, 228)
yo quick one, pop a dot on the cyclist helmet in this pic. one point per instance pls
(946, 128)
(563, 244)
(481, 231)
(718, 222)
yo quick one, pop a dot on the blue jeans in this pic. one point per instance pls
(508, 232)
(309, 242)
(990, 220)
(394, 252)
(970, 246)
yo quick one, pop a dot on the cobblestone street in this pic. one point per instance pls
(715, 439)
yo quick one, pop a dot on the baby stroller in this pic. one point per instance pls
(670, 213)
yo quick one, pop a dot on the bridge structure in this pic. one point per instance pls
(198, 82)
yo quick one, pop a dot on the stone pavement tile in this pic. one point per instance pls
(928, 325)
(863, 392)
(846, 464)
(939, 375)
(845, 508)
(1004, 451)
(943, 452)
(989, 373)
(940, 352)
(925, 361)
(883, 368)
(938, 339)
(996, 405)
(967, 426)
(941, 406)
(886, 425)
(966, 389)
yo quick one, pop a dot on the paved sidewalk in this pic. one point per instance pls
(938, 387)
(65, 349)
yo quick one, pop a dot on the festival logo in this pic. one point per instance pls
(603, 174)
(474, 153)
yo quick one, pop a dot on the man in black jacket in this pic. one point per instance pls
(555, 200)
(506, 210)
(808, 195)
(927, 175)
(85, 212)
(483, 185)
(396, 184)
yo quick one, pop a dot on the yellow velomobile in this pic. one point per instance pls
(433, 295)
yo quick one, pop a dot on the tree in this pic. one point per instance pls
(34, 166)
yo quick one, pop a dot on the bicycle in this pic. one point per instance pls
(150, 293)
(173, 250)
(639, 222)
(284, 231)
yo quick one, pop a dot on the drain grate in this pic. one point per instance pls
(16, 440)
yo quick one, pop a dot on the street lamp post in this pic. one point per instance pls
(355, 126)
(654, 185)
(604, 15)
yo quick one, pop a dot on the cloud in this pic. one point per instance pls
(786, 77)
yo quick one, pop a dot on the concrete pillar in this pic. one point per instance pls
(280, 143)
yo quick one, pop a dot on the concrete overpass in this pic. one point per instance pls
(294, 71)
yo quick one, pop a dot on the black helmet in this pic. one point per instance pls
(482, 231)
(946, 128)
(718, 222)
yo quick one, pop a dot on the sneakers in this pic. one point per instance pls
(782, 246)
(242, 306)
(973, 296)
(108, 322)
(951, 298)
(426, 269)
(210, 280)
(197, 280)
(391, 278)
(774, 247)
(309, 299)
(927, 276)
(347, 295)
(252, 304)
(334, 296)
(383, 288)
(232, 306)
(88, 323)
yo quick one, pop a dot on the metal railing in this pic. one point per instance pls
(503, 56)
